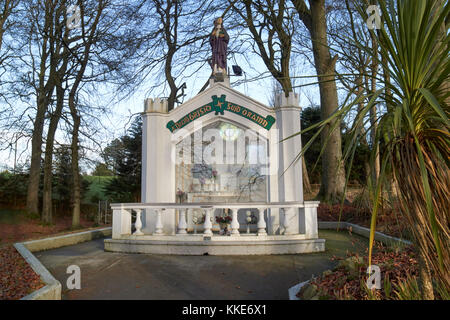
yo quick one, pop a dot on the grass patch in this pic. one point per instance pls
(339, 243)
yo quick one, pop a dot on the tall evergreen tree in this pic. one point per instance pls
(127, 156)
(63, 176)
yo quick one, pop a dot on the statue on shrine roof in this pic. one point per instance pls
(219, 44)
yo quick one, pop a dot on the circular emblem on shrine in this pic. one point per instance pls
(229, 132)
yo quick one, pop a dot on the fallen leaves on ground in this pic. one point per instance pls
(347, 280)
(17, 278)
(28, 229)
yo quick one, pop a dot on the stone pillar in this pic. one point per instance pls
(290, 182)
(273, 221)
(311, 227)
(121, 221)
(158, 169)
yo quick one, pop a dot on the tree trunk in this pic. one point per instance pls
(47, 202)
(57, 76)
(333, 173)
(44, 91)
(76, 182)
(170, 36)
(306, 184)
(76, 209)
(35, 166)
(171, 81)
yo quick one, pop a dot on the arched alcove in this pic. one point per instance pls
(222, 162)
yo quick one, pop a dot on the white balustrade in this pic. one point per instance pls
(182, 225)
(261, 222)
(298, 217)
(234, 222)
(138, 223)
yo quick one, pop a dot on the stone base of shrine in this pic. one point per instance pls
(216, 245)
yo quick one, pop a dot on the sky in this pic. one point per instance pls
(116, 122)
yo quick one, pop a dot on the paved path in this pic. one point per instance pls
(106, 275)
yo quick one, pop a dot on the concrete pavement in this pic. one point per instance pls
(106, 275)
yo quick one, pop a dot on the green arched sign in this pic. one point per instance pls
(219, 106)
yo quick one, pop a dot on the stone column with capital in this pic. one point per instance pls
(158, 171)
(290, 182)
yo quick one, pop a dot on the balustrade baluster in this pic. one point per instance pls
(138, 223)
(182, 226)
(234, 222)
(159, 225)
(207, 225)
(261, 223)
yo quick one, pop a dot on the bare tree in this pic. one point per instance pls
(99, 58)
(60, 54)
(6, 9)
(9, 18)
(362, 70)
(171, 48)
(355, 65)
(333, 173)
(272, 27)
(89, 36)
(40, 35)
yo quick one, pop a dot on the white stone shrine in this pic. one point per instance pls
(219, 154)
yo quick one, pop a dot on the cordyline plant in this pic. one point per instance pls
(413, 131)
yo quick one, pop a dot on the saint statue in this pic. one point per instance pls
(219, 42)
